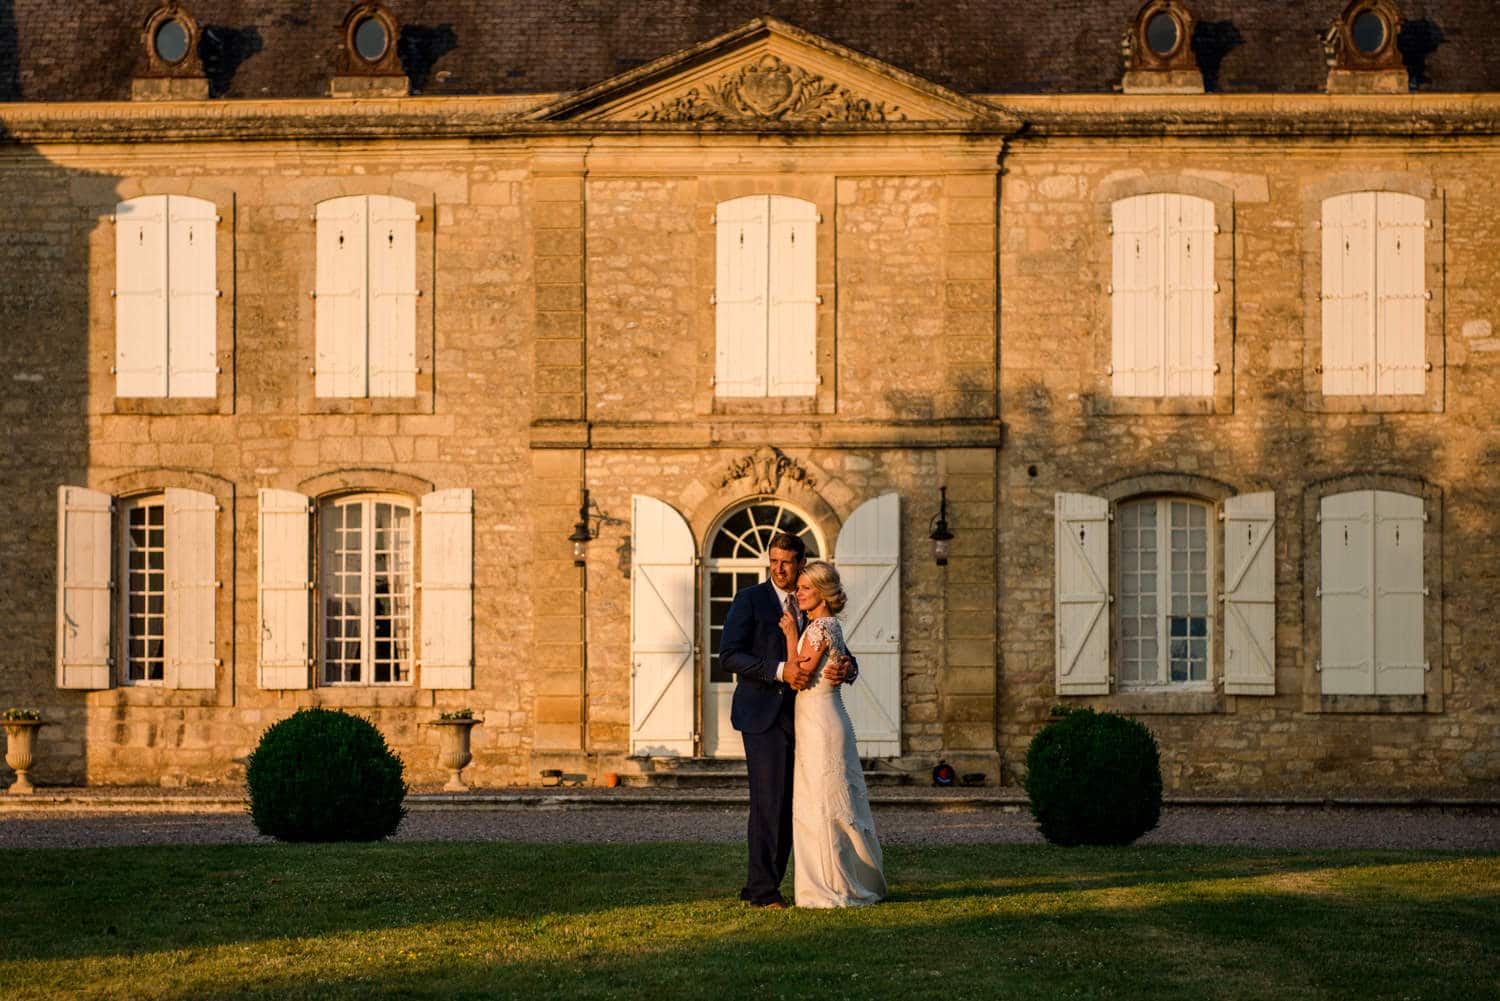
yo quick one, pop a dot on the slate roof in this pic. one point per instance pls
(82, 50)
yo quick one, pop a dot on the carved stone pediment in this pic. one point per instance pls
(766, 467)
(768, 74)
(771, 89)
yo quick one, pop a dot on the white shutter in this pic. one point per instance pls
(1348, 294)
(284, 587)
(342, 286)
(141, 296)
(792, 319)
(1250, 594)
(740, 287)
(662, 580)
(192, 297)
(868, 555)
(1136, 296)
(1189, 301)
(1082, 555)
(192, 586)
(1400, 664)
(393, 296)
(1346, 594)
(1400, 281)
(448, 589)
(85, 559)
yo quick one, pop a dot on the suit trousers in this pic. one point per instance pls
(768, 760)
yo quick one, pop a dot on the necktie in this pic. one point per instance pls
(796, 613)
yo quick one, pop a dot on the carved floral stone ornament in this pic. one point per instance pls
(765, 467)
(771, 89)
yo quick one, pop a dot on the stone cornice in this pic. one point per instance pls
(796, 432)
(1209, 116)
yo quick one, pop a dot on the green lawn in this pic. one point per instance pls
(661, 922)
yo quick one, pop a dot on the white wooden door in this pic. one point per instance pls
(868, 556)
(661, 630)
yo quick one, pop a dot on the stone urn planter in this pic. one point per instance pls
(454, 749)
(20, 748)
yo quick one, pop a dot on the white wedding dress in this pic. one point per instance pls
(835, 850)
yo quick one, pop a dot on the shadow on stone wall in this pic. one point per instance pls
(48, 214)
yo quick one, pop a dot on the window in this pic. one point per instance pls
(366, 589)
(144, 592)
(366, 294)
(166, 299)
(1374, 297)
(1372, 593)
(1155, 623)
(1164, 593)
(369, 627)
(1162, 296)
(162, 577)
(765, 298)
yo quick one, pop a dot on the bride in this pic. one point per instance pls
(837, 855)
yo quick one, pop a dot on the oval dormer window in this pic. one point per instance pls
(371, 39)
(171, 41)
(1162, 34)
(1368, 32)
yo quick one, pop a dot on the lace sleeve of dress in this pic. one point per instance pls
(828, 633)
(817, 633)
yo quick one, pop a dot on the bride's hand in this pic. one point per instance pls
(789, 625)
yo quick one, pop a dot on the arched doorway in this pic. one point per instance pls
(735, 558)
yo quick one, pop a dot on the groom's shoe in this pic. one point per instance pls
(774, 905)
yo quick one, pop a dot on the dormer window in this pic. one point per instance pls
(172, 71)
(368, 63)
(1158, 49)
(1360, 48)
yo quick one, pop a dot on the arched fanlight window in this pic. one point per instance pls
(747, 532)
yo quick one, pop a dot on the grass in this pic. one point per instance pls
(661, 922)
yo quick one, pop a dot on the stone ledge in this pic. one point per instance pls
(801, 432)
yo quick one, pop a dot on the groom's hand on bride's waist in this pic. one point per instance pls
(840, 669)
(798, 672)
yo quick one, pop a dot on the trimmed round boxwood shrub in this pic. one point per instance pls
(322, 775)
(1093, 779)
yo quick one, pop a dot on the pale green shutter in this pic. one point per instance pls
(1136, 296)
(192, 589)
(1346, 593)
(1349, 294)
(448, 589)
(341, 361)
(393, 296)
(85, 561)
(285, 582)
(141, 296)
(740, 303)
(1250, 594)
(192, 297)
(1401, 280)
(1082, 583)
(792, 316)
(1400, 593)
(662, 592)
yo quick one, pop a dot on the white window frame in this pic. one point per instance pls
(406, 666)
(1163, 597)
(123, 573)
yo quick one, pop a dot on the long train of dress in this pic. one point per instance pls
(837, 855)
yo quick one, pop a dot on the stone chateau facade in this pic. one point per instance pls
(309, 392)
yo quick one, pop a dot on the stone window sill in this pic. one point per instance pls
(1376, 704)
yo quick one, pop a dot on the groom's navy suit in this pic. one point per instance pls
(750, 647)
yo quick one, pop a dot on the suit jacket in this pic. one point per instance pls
(750, 648)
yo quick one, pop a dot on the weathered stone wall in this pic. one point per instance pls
(1056, 324)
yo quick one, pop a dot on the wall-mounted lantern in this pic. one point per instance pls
(940, 535)
(586, 530)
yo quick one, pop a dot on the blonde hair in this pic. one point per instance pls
(825, 580)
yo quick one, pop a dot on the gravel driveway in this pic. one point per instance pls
(1291, 828)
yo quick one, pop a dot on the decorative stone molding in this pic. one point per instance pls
(1158, 51)
(765, 467)
(773, 90)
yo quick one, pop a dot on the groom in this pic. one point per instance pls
(768, 678)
